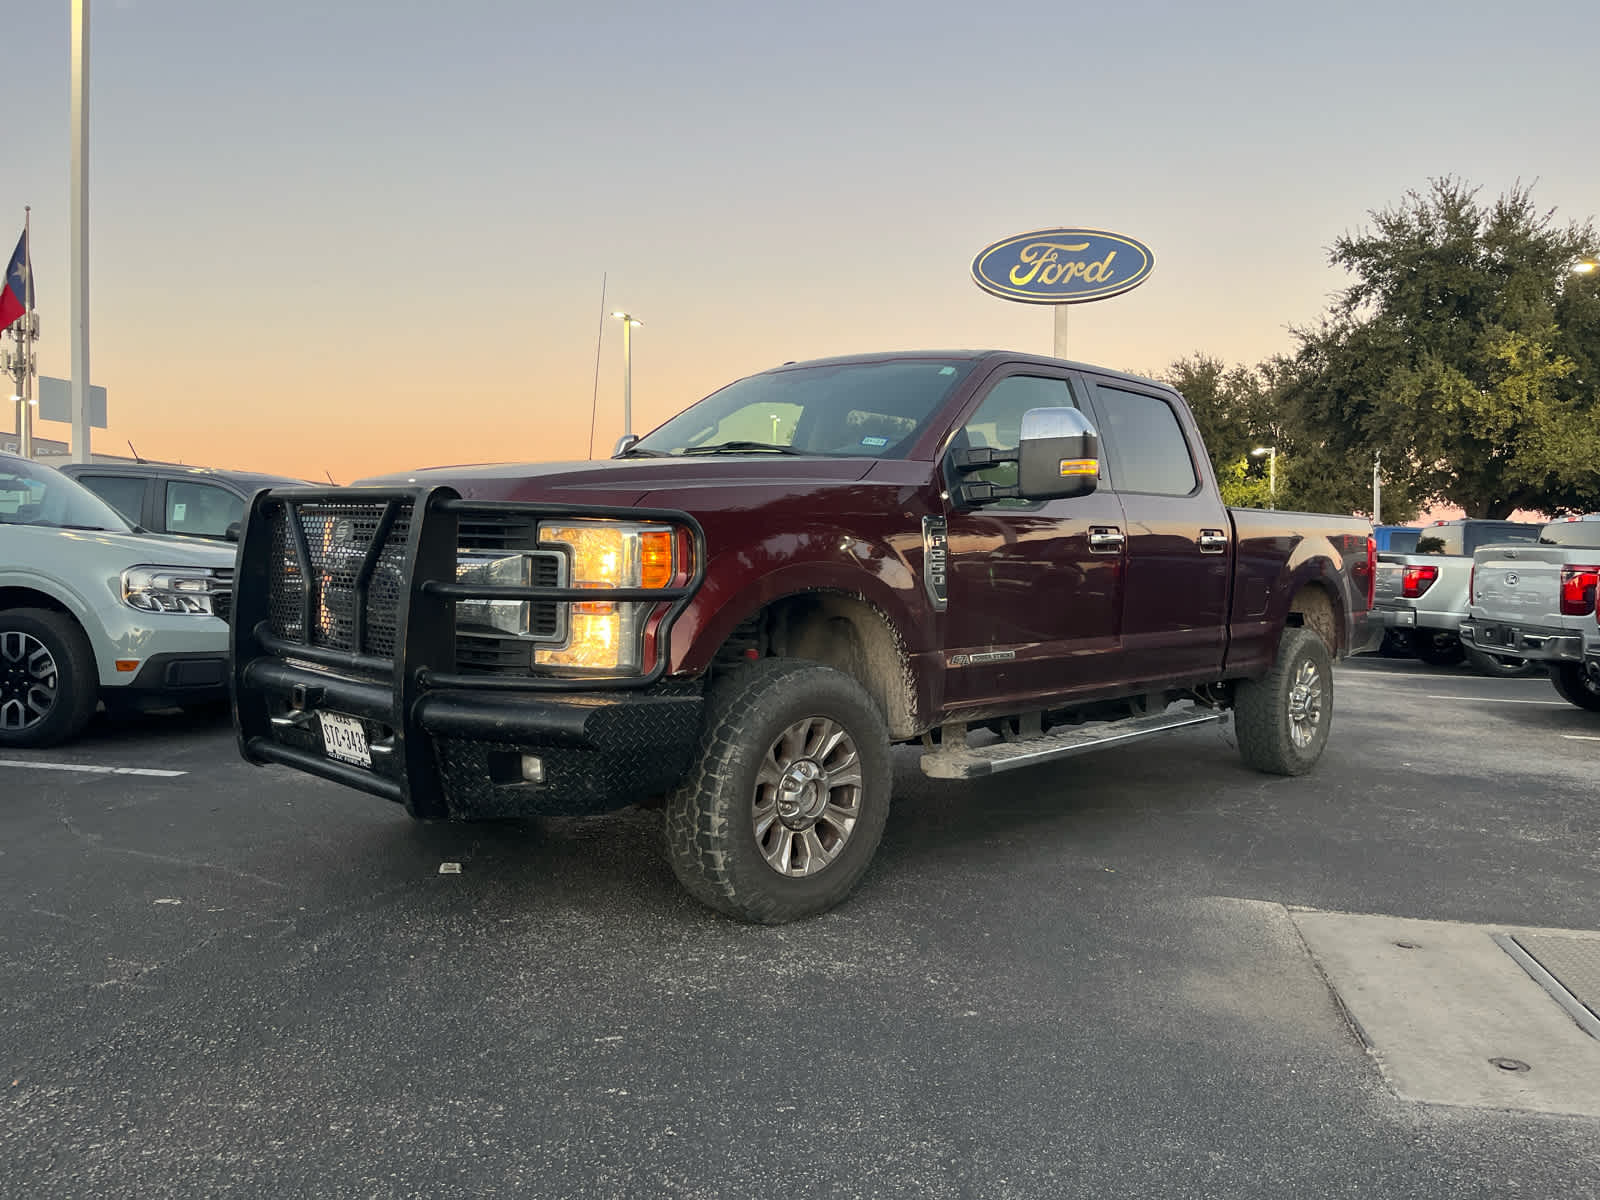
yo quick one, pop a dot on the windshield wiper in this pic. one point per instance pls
(743, 447)
(641, 452)
(88, 528)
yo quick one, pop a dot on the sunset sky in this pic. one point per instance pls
(349, 236)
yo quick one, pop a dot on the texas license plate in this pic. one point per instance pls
(344, 739)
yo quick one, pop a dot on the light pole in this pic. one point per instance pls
(628, 322)
(774, 428)
(1272, 472)
(1377, 488)
(79, 120)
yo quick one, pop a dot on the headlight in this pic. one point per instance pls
(605, 635)
(172, 589)
(503, 616)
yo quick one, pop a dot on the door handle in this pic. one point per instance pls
(1106, 539)
(1213, 541)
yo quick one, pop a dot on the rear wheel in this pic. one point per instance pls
(1282, 721)
(781, 815)
(1578, 684)
(1438, 648)
(1396, 644)
(1498, 665)
(48, 684)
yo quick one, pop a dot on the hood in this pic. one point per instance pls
(135, 548)
(626, 481)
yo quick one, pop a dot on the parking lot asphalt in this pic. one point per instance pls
(1077, 980)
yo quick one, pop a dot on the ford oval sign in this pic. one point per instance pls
(1062, 266)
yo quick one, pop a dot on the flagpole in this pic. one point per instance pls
(25, 409)
(80, 231)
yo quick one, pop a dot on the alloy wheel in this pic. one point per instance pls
(807, 796)
(29, 681)
(1305, 704)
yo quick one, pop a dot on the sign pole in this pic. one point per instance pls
(1061, 330)
(25, 408)
(80, 231)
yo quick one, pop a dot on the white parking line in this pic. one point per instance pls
(1580, 737)
(1497, 700)
(89, 770)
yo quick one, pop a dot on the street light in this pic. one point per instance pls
(1272, 471)
(1584, 266)
(628, 322)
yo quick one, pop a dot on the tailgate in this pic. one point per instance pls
(1519, 584)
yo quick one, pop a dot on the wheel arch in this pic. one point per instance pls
(840, 629)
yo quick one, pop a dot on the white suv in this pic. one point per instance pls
(92, 609)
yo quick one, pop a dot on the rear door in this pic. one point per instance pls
(1179, 540)
(1034, 589)
(125, 493)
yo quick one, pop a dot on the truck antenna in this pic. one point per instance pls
(136, 457)
(329, 474)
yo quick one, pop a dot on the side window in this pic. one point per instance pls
(997, 423)
(201, 509)
(125, 493)
(1145, 443)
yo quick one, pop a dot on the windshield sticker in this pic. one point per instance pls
(874, 441)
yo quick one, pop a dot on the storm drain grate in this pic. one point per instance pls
(1567, 967)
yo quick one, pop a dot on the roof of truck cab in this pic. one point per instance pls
(972, 356)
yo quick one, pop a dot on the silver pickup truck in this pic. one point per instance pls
(1538, 602)
(93, 609)
(1424, 594)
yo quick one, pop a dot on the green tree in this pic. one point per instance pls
(1465, 351)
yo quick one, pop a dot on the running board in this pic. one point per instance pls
(971, 762)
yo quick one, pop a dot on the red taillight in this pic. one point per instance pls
(1577, 590)
(1372, 571)
(1417, 580)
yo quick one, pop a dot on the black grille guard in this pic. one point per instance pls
(424, 657)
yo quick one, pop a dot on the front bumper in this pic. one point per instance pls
(1518, 641)
(164, 680)
(369, 634)
(596, 751)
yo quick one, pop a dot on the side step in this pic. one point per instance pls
(971, 762)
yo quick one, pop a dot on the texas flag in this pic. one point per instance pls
(16, 293)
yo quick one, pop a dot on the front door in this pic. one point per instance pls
(1035, 589)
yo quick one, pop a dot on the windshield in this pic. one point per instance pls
(858, 410)
(34, 494)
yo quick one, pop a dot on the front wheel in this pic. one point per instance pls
(1282, 721)
(1577, 683)
(48, 684)
(781, 814)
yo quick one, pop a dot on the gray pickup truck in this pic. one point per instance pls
(1424, 594)
(93, 609)
(1538, 602)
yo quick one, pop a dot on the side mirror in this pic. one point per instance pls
(1058, 455)
(232, 532)
(624, 443)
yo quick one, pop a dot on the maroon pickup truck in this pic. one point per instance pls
(1004, 559)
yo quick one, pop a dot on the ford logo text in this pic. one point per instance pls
(1062, 266)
